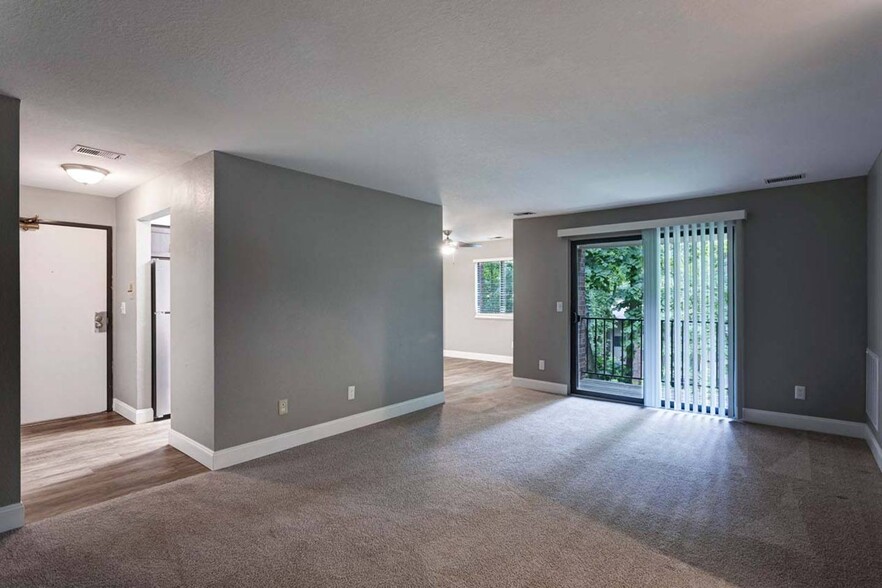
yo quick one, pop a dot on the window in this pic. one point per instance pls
(494, 288)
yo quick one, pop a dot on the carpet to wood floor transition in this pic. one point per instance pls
(499, 487)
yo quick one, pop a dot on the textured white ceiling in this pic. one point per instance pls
(488, 107)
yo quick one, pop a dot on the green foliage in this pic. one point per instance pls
(614, 281)
(495, 287)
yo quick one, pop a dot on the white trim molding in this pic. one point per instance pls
(194, 449)
(875, 448)
(817, 425)
(224, 458)
(636, 226)
(805, 423)
(478, 356)
(12, 517)
(139, 416)
(541, 386)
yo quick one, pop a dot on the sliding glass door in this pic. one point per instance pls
(607, 328)
(654, 318)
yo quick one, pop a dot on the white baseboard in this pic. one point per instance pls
(875, 448)
(194, 449)
(817, 425)
(136, 415)
(224, 458)
(804, 423)
(541, 385)
(12, 517)
(478, 356)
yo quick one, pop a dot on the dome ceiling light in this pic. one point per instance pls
(85, 174)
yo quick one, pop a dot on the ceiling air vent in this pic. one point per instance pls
(524, 213)
(95, 152)
(779, 179)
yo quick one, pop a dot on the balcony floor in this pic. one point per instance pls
(611, 388)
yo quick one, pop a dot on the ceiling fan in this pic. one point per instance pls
(449, 246)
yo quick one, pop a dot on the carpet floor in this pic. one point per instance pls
(499, 487)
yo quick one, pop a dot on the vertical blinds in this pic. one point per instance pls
(494, 286)
(696, 316)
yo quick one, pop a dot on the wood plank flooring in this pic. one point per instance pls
(465, 377)
(71, 463)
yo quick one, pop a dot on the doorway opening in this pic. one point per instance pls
(608, 338)
(160, 317)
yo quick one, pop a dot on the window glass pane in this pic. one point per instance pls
(494, 292)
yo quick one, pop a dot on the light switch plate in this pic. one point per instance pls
(351, 393)
(541, 364)
(560, 306)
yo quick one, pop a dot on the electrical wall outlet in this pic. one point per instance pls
(283, 406)
(541, 364)
(351, 393)
(799, 392)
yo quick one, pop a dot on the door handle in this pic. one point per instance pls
(578, 318)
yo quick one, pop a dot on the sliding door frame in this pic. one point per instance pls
(574, 318)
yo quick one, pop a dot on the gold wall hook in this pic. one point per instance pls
(29, 224)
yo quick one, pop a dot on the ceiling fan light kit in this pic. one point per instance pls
(449, 246)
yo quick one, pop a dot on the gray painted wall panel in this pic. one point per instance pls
(319, 285)
(874, 264)
(188, 192)
(192, 301)
(10, 312)
(805, 292)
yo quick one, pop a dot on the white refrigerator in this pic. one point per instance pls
(160, 298)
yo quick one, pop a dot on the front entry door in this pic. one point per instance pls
(64, 349)
(607, 332)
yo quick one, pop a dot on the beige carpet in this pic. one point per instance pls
(499, 487)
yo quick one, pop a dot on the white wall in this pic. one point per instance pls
(68, 206)
(463, 333)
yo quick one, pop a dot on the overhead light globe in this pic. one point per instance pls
(448, 248)
(85, 174)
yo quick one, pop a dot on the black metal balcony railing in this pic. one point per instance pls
(613, 350)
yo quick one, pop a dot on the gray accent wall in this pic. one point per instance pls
(193, 402)
(188, 193)
(319, 285)
(10, 312)
(462, 330)
(874, 268)
(804, 287)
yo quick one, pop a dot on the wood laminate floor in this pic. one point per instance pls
(80, 461)
(71, 463)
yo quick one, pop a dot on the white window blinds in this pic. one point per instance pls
(695, 293)
(494, 287)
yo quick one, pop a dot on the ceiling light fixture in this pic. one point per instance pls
(448, 245)
(84, 174)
